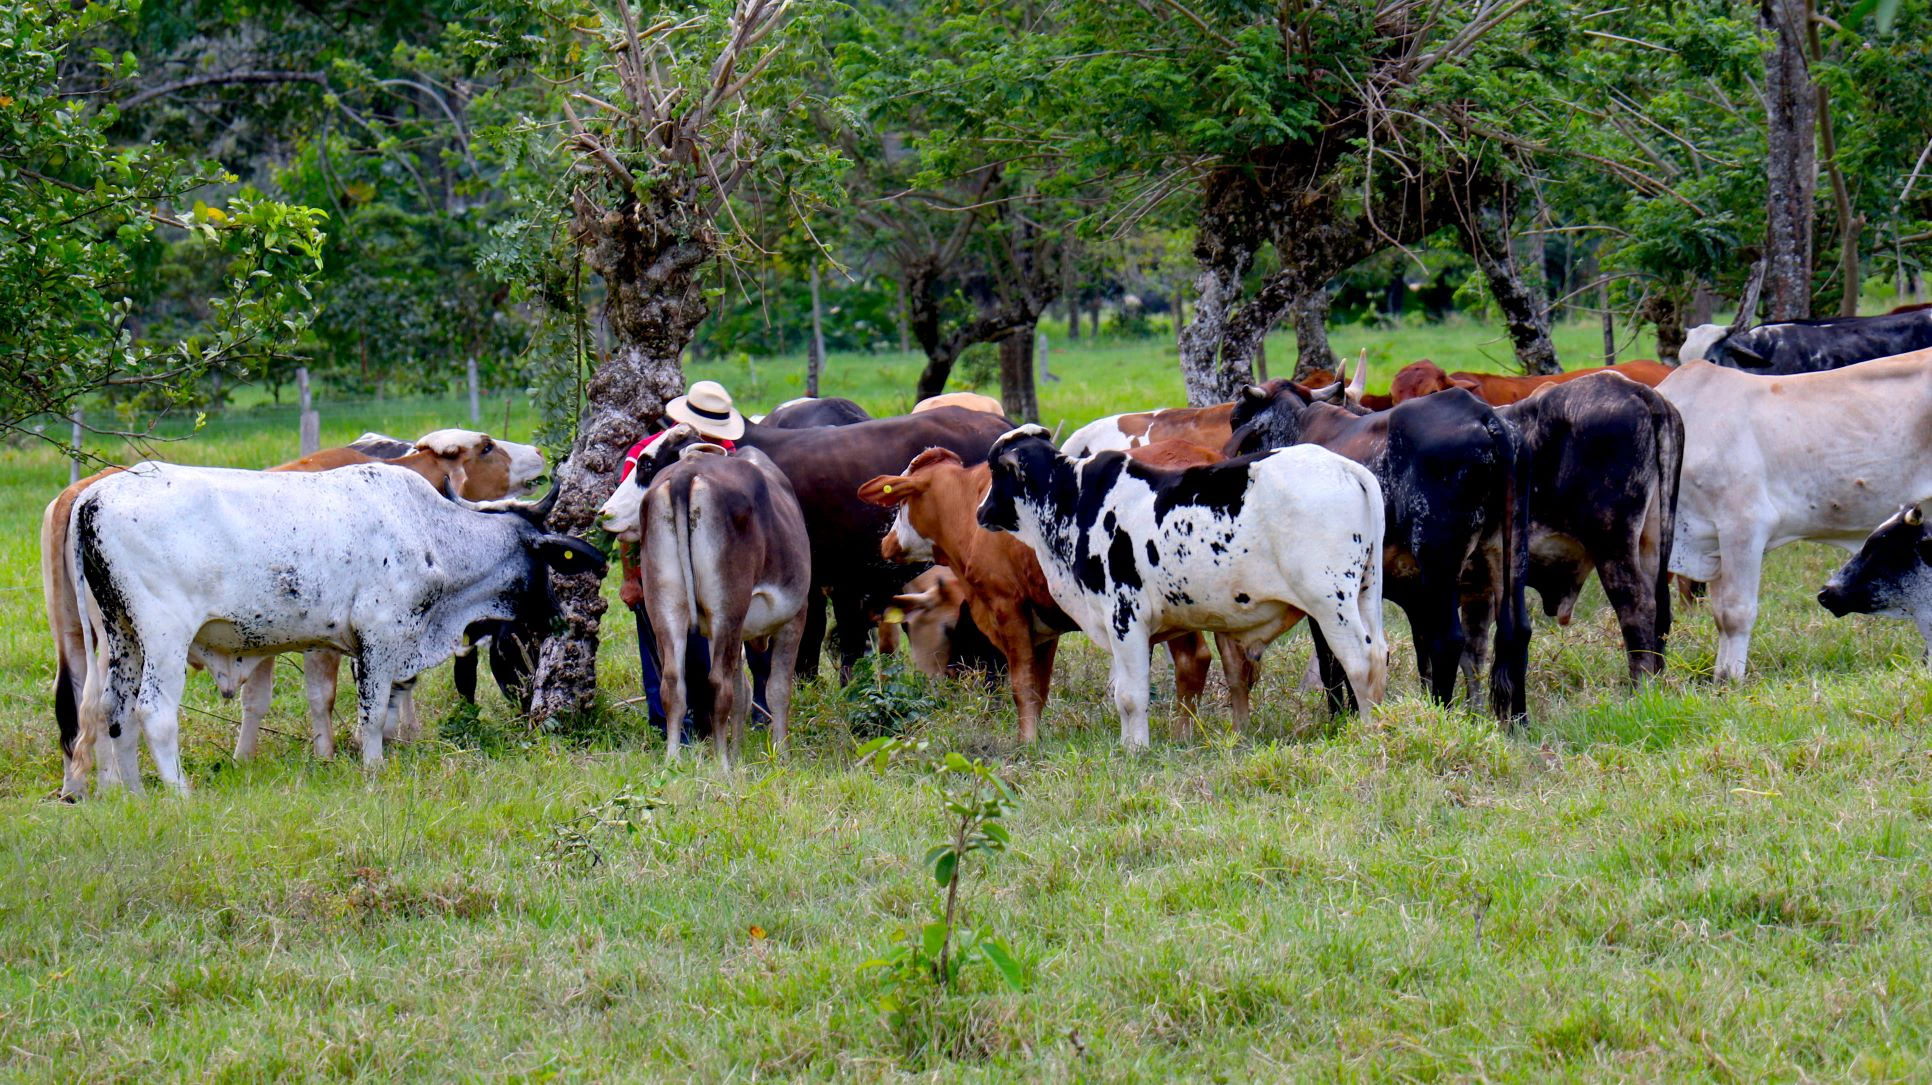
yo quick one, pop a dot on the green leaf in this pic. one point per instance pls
(944, 867)
(933, 939)
(1009, 969)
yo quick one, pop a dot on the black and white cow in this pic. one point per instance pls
(1809, 346)
(1135, 554)
(1891, 575)
(1452, 478)
(175, 563)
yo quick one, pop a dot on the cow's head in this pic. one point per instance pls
(1887, 574)
(1025, 468)
(533, 605)
(483, 467)
(1721, 345)
(622, 514)
(930, 612)
(1425, 378)
(910, 539)
(1267, 418)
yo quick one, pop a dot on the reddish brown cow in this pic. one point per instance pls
(1422, 378)
(1004, 587)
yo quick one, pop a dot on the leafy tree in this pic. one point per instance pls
(84, 217)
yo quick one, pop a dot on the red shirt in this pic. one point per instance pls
(630, 458)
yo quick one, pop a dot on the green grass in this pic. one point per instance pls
(1682, 882)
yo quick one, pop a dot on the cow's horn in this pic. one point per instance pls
(449, 491)
(540, 511)
(1359, 386)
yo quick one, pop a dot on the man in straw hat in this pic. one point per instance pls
(706, 408)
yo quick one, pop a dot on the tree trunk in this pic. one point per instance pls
(1094, 312)
(1609, 324)
(1524, 313)
(817, 360)
(1850, 225)
(654, 301)
(922, 314)
(1073, 299)
(1225, 254)
(1017, 388)
(905, 324)
(1702, 304)
(1312, 352)
(1791, 160)
(1665, 310)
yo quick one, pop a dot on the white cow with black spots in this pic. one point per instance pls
(1135, 554)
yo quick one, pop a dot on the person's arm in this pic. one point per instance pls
(631, 589)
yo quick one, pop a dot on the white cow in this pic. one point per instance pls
(1773, 460)
(174, 563)
(1135, 554)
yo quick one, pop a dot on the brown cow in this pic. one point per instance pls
(1004, 587)
(1206, 427)
(1422, 378)
(972, 401)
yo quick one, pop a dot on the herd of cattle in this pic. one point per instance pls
(1451, 496)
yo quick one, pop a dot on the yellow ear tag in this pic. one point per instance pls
(888, 487)
(894, 615)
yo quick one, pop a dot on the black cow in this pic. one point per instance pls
(1453, 477)
(1605, 453)
(1809, 346)
(811, 413)
(1889, 575)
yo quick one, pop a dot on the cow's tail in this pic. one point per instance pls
(1668, 427)
(697, 659)
(66, 617)
(81, 730)
(1509, 666)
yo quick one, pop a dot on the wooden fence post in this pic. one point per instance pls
(311, 422)
(74, 464)
(476, 396)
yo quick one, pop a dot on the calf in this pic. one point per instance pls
(1424, 378)
(1809, 346)
(1890, 575)
(726, 558)
(1205, 426)
(175, 563)
(1001, 581)
(1452, 478)
(1135, 554)
(1768, 461)
(1605, 454)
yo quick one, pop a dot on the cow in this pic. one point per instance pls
(1605, 453)
(1423, 378)
(1768, 461)
(1453, 481)
(726, 558)
(483, 468)
(1135, 553)
(1808, 346)
(810, 412)
(972, 401)
(171, 563)
(1000, 580)
(826, 467)
(1891, 575)
(930, 609)
(1204, 426)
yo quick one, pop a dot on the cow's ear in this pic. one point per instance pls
(889, 491)
(1914, 516)
(569, 556)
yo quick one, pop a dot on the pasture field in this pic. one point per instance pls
(1678, 882)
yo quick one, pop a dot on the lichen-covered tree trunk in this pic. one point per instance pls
(1525, 316)
(1019, 391)
(1226, 240)
(1312, 352)
(1790, 161)
(1665, 309)
(653, 303)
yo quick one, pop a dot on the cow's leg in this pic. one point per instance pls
(164, 673)
(1634, 596)
(782, 657)
(258, 692)
(463, 668)
(409, 726)
(1334, 680)
(1012, 634)
(853, 631)
(1043, 654)
(805, 668)
(1192, 660)
(107, 701)
(1240, 669)
(1437, 625)
(375, 695)
(1132, 661)
(320, 668)
(671, 681)
(1734, 601)
(726, 676)
(1923, 619)
(1358, 653)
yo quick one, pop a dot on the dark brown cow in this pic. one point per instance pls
(1000, 580)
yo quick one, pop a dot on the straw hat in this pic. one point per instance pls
(707, 408)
